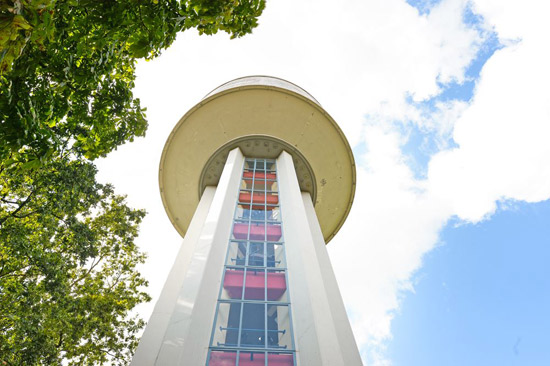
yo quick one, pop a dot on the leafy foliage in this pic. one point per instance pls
(67, 67)
(67, 267)
(68, 277)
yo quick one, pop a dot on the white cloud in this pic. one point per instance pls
(513, 20)
(393, 223)
(502, 153)
(503, 136)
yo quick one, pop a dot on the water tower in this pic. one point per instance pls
(257, 178)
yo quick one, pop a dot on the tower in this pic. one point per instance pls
(256, 177)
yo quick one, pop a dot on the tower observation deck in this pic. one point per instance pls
(256, 177)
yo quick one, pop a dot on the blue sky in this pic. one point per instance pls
(446, 105)
(483, 296)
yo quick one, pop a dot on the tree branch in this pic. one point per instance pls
(94, 264)
(14, 213)
(60, 340)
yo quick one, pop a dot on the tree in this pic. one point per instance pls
(68, 277)
(67, 268)
(68, 67)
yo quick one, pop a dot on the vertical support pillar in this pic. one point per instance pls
(322, 331)
(344, 333)
(178, 331)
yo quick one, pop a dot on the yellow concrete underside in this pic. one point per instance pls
(258, 110)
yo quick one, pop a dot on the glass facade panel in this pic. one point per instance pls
(256, 254)
(279, 326)
(253, 315)
(276, 255)
(273, 214)
(252, 329)
(236, 255)
(223, 335)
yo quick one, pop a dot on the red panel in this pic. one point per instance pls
(260, 199)
(276, 285)
(257, 232)
(259, 175)
(280, 359)
(255, 282)
(233, 283)
(218, 358)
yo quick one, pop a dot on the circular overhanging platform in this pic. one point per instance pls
(262, 116)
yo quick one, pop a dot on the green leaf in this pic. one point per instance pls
(140, 49)
(18, 22)
(31, 164)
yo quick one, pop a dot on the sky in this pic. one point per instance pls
(443, 258)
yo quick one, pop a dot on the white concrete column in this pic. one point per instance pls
(321, 330)
(344, 333)
(178, 332)
(151, 340)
